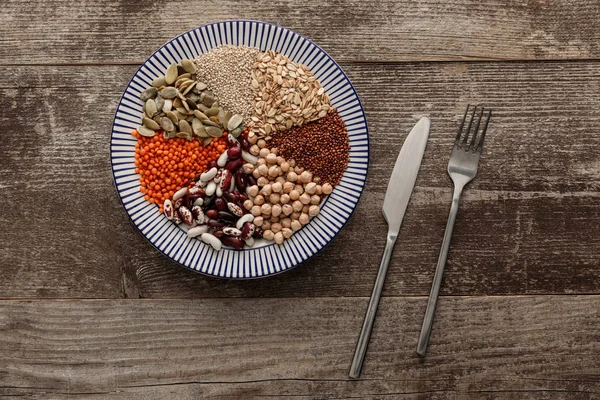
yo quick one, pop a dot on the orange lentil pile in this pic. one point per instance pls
(321, 147)
(167, 165)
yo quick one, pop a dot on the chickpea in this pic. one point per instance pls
(327, 188)
(276, 210)
(285, 166)
(266, 225)
(287, 209)
(310, 188)
(277, 187)
(252, 190)
(305, 198)
(292, 176)
(284, 198)
(264, 152)
(296, 225)
(280, 160)
(295, 215)
(248, 204)
(255, 173)
(263, 170)
(276, 227)
(258, 221)
(305, 209)
(278, 238)
(252, 138)
(259, 200)
(319, 190)
(265, 209)
(261, 143)
(274, 171)
(254, 150)
(313, 211)
(306, 176)
(298, 170)
(274, 151)
(268, 234)
(261, 161)
(287, 233)
(286, 222)
(280, 179)
(273, 221)
(255, 211)
(299, 189)
(248, 168)
(297, 205)
(271, 158)
(288, 187)
(274, 198)
(304, 218)
(314, 199)
(266, 190)
(262, 181)
(294, 195)
(292, 162)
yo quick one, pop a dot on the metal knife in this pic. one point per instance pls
(397, 196)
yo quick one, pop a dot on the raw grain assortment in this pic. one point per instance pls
(239, 146)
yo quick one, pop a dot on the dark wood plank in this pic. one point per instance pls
(482, 347)
(528, 223)
(88, 31)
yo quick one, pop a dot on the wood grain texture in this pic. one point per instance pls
(529, 223)
(482, 347)
(87, 31)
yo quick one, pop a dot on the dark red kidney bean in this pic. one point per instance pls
(251, 180)
(234, 152)
(248, 230)
(213, 223)
(258, 233)
(231, 141)
(234, 164)
(197, 177)
(233, 241)
(220, 204)
(209, 202)
(244, 143)
(225, 180)
(240, 180)
(210, 166)
(228, 196)
(225, 216)
(195, 191)
(212, 214)
(218, 234)
(243, 197)
(244, 135)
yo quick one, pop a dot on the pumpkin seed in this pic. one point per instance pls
(173, 117)
(158, 82)
(188, 66)
(184, 135)
(202, 108)
(142, 130)
(236, 132)
(207, 141)
(214, 131)
(185, 127)
(208, 122)
(201, 86)
(167, 124)
(224, 117)
(171, 75)
(168, 105)
(200, 115)
(191, 104)
(149, 93)
(151, 124)
(160, 103)
(235, 121)
(189, 88)
(186, 75)
(207, 98)
(211, 111)
(197, 127)
(151, 108)
(169, 92)
(177, 103)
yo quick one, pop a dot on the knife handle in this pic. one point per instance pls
(439, 274)
(365, 333)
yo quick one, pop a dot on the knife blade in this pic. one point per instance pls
(397, 196)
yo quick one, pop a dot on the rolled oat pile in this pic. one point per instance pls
(227, 70)
(286, 94)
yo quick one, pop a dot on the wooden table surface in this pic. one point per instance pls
(89, 309)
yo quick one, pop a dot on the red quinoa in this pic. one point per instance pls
(320, 146)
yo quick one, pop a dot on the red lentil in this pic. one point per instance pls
(320, 146)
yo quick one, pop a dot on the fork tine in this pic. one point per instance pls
(464, 143)
(485, 125)
(460, 128)
(475, 131)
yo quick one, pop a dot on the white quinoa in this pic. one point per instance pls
(227, 71)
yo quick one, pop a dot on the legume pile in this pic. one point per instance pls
(239, 145)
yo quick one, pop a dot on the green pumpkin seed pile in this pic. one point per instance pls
(183, 107)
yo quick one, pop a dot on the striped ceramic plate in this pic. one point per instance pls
(263, 259)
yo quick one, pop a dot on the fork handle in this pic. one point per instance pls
(439, 273)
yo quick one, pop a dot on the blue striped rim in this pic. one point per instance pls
(267, 259)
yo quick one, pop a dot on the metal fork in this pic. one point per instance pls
(462, 169)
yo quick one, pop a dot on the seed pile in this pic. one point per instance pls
(286, 94)
(320, 146)
(227, 70)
